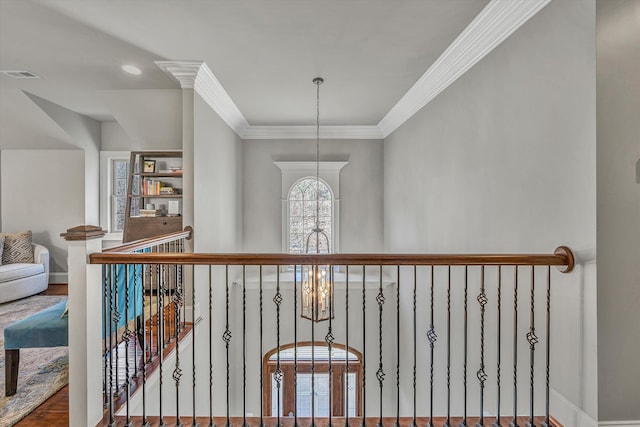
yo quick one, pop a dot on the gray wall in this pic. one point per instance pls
(360, 191)
(504, 160)
(618, 88)
(43, 190)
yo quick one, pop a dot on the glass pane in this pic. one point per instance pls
(303, 215)
(350, 393)
(321, 398)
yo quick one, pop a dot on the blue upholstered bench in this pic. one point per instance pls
(45, 328)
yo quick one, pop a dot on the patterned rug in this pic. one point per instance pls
(43, 371)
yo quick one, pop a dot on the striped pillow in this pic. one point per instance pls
(17, 248)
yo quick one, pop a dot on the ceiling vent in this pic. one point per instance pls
(20, 74)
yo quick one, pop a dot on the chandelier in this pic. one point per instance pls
(317, 287)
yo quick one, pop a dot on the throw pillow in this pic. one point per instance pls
(1, 247)
(17, 248)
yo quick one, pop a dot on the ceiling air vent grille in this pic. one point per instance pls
(20, 74)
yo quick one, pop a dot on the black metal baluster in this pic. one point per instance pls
(346, 317)
(313, 359)
(143, 344)
(364, 349)
(481, 374)
(177, 374)
(112, 284)
(398, 347)
(380, 373)
(149, 279)
(244, 346)
(415, 344)
(261, 353)
(226, 337)
(432, 337)
(116, 320)
(466, 330)
(514, 422)
(329, 340)
(448, 421)
(105, 351)
(497, 423)
(134, 333)
(277, 299)
(295, 345)
(126, 337)
(533, 340)
(211, 347)
(193, 345)
(547, 422)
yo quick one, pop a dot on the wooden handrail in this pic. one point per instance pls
(137, 245)
(562, 257)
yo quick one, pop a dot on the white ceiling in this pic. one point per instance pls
(263, 52)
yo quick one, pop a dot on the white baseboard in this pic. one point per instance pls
(568, 414)
(632, 423)
(58, 278)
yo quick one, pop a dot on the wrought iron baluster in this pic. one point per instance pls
(226, 337)
(380, 373)
(211, 347)
(346, 321)
(105, 350)
(432, 337)
(533, 340)
(295, 345)
(398, 347)
(329, 338)
(262, 402)
(193, 345)
(466, 331)
(112, 285)
(364, 349)
(497, 423)
(514, 422)
(547, 422)
(244, 347)
(481, 374)
(177, 374)
(116, 321)
(160, 336)
(277, 299)
(143, 345)
(126, 337)
(415, 344)
(313, 363)
(448, 421)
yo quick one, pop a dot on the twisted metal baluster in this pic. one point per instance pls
(313, 361)
(466, 330)
(397, 424)
(226, 337)
(329, 338)
(193, 345)
(448, 421)
(295, 344)
(178, 302)
(211, 424)
(497, 423)
(277, 299)
(481, 374)
(514, 422)
(105, 352)
(116, 321)
(364, 350)
(380, 373)
(415, 343)
(533, 340)
(109, 270)
(143, 344)
(547, 422)
(432, 337)
(244, 347)
(261, 352)
(346, 320)
(126, 338)
(160, 337)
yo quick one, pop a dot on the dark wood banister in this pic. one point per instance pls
(562, 257)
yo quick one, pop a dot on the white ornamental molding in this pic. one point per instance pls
(309, 132)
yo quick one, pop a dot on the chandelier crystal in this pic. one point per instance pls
(317, 280)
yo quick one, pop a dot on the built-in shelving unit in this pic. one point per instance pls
(154, 194)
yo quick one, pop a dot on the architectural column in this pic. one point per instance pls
(85, 344)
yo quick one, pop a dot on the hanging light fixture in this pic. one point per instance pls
(317, 286)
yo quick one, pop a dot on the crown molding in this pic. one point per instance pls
(309, 132)
(497, 21)
(198, 76)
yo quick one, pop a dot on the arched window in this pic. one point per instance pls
(302, 215)
(346, 386)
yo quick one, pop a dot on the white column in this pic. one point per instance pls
(85, 327)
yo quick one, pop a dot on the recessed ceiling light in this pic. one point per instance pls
(132, 69)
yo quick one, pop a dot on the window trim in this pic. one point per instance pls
(331, 232)
(106, 191)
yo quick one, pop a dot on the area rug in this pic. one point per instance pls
(43, 371)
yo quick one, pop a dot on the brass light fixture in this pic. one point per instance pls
(317, 286)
